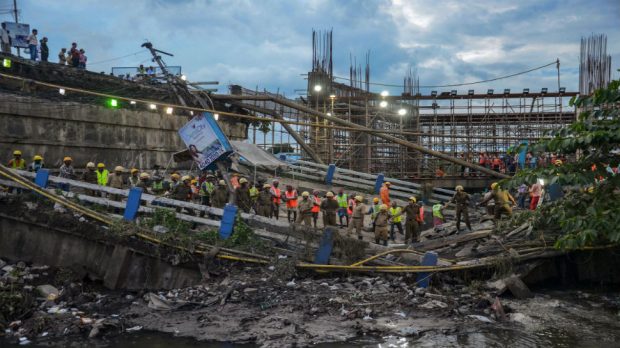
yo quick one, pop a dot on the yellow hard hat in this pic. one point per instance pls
(458, 188)
(375, 200)
(387, 183)
(67, 159)
(37, 158)
(144, 175)
(175, 176)
(17, 153)
(119, 169)
(305, 194)
(329, 194)
(266, 186)
(194, 181)
(134, 170)
(494, 186)
(185, 178)
(90, 165)
(359, 198)
(243, 180)
(100, 165)
(383, 207)
(590, 189)
(222, 182)
(413, 199)
(558, 162)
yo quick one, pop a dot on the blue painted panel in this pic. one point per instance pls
(331, 171)
(228, 221)
(522, 155)
(430, 259)
(325, 247)
(133, 204)
(378, 183)
(42, 177)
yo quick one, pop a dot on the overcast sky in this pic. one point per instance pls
(268, 43)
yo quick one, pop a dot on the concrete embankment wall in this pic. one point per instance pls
(88, 132)
(116, 265)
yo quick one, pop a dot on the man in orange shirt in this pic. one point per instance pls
(290, 195)
(277, 199)
(385, 193)
(316, 208)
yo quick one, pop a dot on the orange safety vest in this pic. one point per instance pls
(278, 195)
(291, 199)
(317, 205)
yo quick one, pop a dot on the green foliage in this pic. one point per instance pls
(168, 219)
(589, 214)
(242, 238)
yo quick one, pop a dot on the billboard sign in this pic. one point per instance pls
(19, 33)
(205, 140)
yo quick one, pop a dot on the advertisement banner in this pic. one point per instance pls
(19, 33)
(205, 140)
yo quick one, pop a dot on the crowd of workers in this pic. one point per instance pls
(341, 209)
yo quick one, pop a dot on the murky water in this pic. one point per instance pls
(551, 319)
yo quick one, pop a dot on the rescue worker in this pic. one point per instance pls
(374, 210)
(183, 192)
(205, 192)
(412, 226)
(380, 223)
(438, 218)
(37, 163)
(116, 180)
(174, 181)
(157, 187)
(316, 208)
(305, 209)
(263, 202)
(90, 176)
(461, 201)
(134, 177)
(290, 196)
(276, 195)
(396, 218)
(384, 192)
(67, 172)
(102, 175)
(343, 204)
(357, 217)
(242, 196)
(503, 201)
(254, 191)
(220, 195)
(17, 162)
(329, 207)
(234, 181)
(143, 182)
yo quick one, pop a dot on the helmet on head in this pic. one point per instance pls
(375, 200)
(458, 188)
(37, 158)
(383, 207)
(413, 199)
(494, 186)
(144, 175)
(17, 153)
(275, 181)
(134, 170)
(186, 178)
(194, 181)
(387, 183)
(243, 180)
(119, 169)
(266, 186)
(329, 194)
(175, 176)
(67, 159)
(394, 203)
(222, 182)
(359, 198)
(305, 194)
(100, 165)
(558, 162)
(90, 165)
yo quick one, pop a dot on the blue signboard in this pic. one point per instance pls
(19, 33)
(205, 140)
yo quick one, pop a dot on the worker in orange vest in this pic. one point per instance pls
(276, 195)
(290, 196)
(316, 208)
(385, 193)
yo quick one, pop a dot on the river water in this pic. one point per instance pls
(552, 319)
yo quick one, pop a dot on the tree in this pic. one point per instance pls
(589, 213)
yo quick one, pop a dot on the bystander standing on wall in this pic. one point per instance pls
(5, 39)
(62, 57)
(32, 44)
(45, 51)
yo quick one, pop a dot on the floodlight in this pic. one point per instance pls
(191, 112)
(385, 93)
(402, 112)
(183, 77)
(317, 88)
(562, 90)
(216, 116)
(470, 92)
(113, 103)
(152, 106)
(169, 110)
(329, 114)
(490, 91)
(453, 92)
(526, 91)
(383, 104)
(543, 90)
(433, 93)
(132, 102)
(332, 96)
(61, 91)
(6, 63)
(506, 90)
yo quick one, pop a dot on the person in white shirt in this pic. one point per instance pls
(5, 39)
(32, 44)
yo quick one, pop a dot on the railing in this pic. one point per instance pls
(368, 182)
